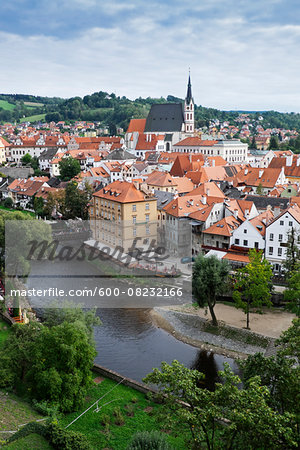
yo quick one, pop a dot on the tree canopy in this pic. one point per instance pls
(68, 168)
(210, 277)
(252, 283)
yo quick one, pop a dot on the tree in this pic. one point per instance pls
(26, 159)
(68, 168)
(53, 363)
(292, 256)
(38, 206)
(260, 189)
(253, 283)
(210, 276)
(253, 143)
(292, 293)
(289, 342)
(228, 417)
(76, 201)
(8, 202)
(274, 144)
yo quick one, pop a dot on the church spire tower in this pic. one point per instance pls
(189, 109)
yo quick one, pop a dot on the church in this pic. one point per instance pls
(165, 125)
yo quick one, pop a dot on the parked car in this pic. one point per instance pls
(186, 259)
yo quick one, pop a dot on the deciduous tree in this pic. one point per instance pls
(210, 277)
(252, 283)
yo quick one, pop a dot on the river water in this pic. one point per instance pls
(127, 341)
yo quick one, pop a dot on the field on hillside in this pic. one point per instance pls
(35, 118)
(7, 106)
(33, 104)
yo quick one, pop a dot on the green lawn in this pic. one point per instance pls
(14, 412)
(28, 213)
(4, 331)
(138, 412)
(7, 106)
(30, 442)
(35, 118)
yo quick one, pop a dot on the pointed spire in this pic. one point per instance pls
(189, 90)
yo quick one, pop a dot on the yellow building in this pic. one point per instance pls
(121, 214)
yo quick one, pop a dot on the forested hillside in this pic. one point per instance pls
(116, 111)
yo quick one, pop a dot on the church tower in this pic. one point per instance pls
(189, 109)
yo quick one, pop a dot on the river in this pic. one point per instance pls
(127, 341)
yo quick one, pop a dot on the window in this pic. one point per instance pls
(245, 231)
(271, 250)
(237, 241)
(290, 224)
(147, 218)
(133, 208)
(245, 243)
(134, 220)
(92, 211)
(280, 238)
(280, 252)
(147, 206)
(256, 245)
(134, 231)
(147, 229)
(271, 237)
(281, 222)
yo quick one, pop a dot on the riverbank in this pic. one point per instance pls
(192, 326)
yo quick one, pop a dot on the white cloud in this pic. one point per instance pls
(235, 65)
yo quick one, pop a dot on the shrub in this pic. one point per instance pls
(8, 203)
(64, 439)
(105, 419)
(119, 416)
(149, 440)
(58, 437)
(46, 408)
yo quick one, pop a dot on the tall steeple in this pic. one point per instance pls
(189, 109)
(189, 90)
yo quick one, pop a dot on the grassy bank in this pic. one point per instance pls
(103, 429)
(27, 213)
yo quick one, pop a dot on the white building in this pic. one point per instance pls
(277, 233)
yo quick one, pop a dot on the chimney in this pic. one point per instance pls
(247, 213)
(298, 161)
(276, 211)
(213, 163)
(207, 192)
(191, 202)
(289, 160)
(150, 137)
(260, 173)
(190, 157)
(203, 199)
(236, 213)
(246, 172)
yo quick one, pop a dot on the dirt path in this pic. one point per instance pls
(270, 323)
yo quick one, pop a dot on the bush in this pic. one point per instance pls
(119, 416)
(149, 440)
(8, 202)
(46, 408)
(58, 437)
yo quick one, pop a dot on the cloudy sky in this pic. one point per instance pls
(243, 54)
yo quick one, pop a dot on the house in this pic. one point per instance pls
(121, 214)
(219, 235)
(251, 233)
(231, 150)
(4, 148)
(277, 234)
(255, 178)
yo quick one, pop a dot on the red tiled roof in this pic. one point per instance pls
(136, 125)
(121, 192)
